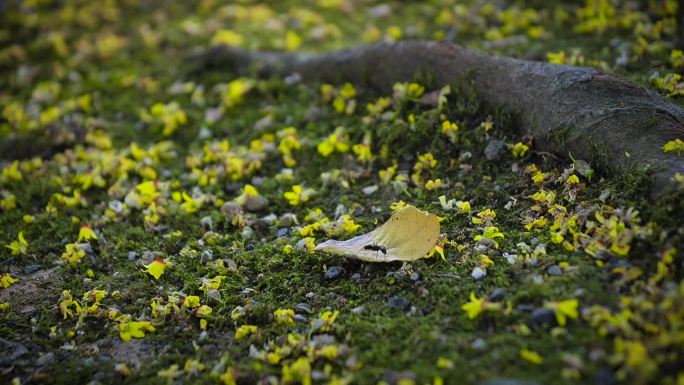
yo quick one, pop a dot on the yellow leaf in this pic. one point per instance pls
(156, 268)
(408, 235)
(531, 357)
(134, 329)
(86, 233)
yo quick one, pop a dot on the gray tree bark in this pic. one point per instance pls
(613, 123)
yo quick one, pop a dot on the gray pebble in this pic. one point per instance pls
(45, 359)
(497, 294)
(30, 269)
(282, 232)
(356, 277)
(399, 302)
(230, 210)
(358, 309)
(300, 318)
(542, 315)
(303, 308)
(603, 377)
(479, 344)
(256, 203)
(494, 150)
(334, 272)
(554, 270)
(415, 277)
(478, 273)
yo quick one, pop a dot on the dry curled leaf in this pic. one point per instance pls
(408, 235)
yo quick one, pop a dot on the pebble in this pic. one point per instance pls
(230, 210)
(538, 279)
(300, 318)
(356, 277)
(45, 359)
(554, 270)
(207, 222)
(394, 377)
(30, 269)
(399, 302)
(603, 377)
(415, 277)
(303, 307)
(334, 272)
(497, 294)
(288, 220)
(206, 256)
(256, 203)
(478, 273)
(542, 315)
(479, 344)
(214, 295)
(358, 309)
(282, 232)
(494, 150)
(369, 190)
(269, 219)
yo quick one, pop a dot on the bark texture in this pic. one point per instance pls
(583, 111)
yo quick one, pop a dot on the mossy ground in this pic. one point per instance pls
(79, 84)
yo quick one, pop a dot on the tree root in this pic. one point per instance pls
(614, 123)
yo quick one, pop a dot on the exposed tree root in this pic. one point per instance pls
(614, 123)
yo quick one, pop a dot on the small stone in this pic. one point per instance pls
(378, 11)
(207, 222)
(369, 190)
(256, 203)
(45, 359)
(494, 150)
(263, 123)
(27, 309)
(399, 302)
(554, 270)
(132, 255)
(334, 272)
(288, 220)
(303, 307)
(247, 233)
(415, 277)
(282, 232)
(395, 378)
(356, 277)
(358, 309)
(30, 269)
(497, 294)
(230, 210)
(542, 315)
(538, 279)
(250, 247)
(479, 344)
(206, 256)
(478, 273)
(525, 307)
(603, 377)
(300, 318)
(214, 295)
(270, 219)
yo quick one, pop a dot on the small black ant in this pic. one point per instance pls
(376, 247)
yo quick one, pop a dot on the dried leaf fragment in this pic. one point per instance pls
(408, 235)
